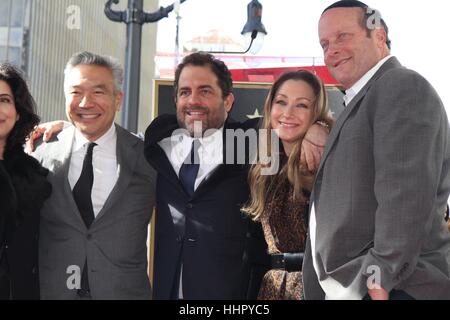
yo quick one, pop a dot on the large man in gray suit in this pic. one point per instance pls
(376, 226)
(93, 234)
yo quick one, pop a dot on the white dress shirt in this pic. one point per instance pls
(178, 146)
(356, 88)
(104, 163)
(333, 289)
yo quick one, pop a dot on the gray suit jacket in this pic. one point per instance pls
(115, 244)
(381, 191)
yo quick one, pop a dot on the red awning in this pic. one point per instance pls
(271, 74)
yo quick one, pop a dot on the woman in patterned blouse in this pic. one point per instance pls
(280, 202)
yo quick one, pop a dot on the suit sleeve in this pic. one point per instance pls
(410, 130)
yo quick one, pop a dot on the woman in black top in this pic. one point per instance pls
(23, 190)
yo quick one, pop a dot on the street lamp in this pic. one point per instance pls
(134, 17)
(253, 30)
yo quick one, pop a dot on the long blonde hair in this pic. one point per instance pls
(297, 173)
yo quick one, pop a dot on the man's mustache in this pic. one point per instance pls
(196, 109)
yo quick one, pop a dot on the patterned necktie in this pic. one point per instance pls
(189, 169)
(82, 195)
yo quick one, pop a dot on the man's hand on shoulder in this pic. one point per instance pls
(46, 131)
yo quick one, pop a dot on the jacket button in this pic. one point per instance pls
(189, 205)
(34, 270)
(89, 236)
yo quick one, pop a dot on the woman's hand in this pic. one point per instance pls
(313, 145)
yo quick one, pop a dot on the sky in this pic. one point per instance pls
(418, 30)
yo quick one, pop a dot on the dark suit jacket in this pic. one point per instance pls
(23, 190)
(223, 253)
(380, 191)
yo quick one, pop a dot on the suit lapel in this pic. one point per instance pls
(159, 129)
(217, 174)
(62, 153)
(163, 127)
(127, 156)
(334, 134)
(61, 156)
(224, 170)
(336, 130)
(162, 165)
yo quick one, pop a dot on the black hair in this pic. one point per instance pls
(25, 106)
(217, 66)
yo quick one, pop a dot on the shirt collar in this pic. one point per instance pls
(80, 140)
(210, 140)
(210, 149)
(356, 88)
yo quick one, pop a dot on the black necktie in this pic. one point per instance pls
(83, 188)
(189, 169)
(82, 195)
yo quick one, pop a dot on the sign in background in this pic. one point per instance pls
(249, 99)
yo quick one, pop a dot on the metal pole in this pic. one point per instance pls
(176, 8)
(134, 17)
(177, 42)
(132, 66)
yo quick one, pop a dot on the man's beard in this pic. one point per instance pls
(198, 127)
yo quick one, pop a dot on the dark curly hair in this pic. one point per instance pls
(217, 66)
(25, 106)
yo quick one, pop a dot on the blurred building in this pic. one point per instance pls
(213, 40)
(13, 27)
(41, 35)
